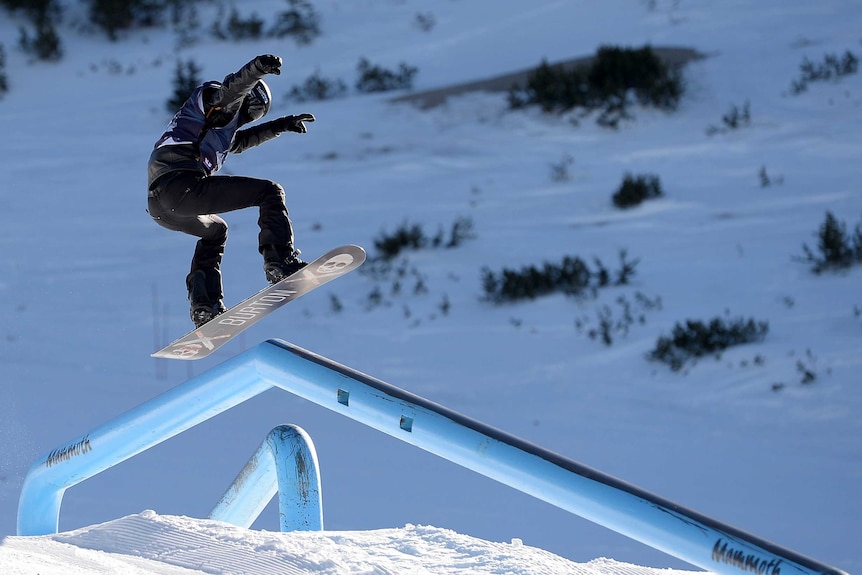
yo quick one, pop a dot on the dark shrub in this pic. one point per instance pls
(836, 248)
(45, 45)
(732, 120)
(405, 237)
(572, 276)
(618, 71)
(553, 89)
(831, 68)
(112, 16)
(413, 237)
(373, 78)
(610, 83)
(636, 189)
(696, 339)
(238, 27)
(186, 79)
(301, 21)
(316, 88)
(44, 15)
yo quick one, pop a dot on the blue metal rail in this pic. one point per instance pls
(615, 504)
(285, 464)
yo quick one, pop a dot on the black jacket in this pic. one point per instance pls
(211, 115)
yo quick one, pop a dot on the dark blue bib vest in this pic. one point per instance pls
(188, 126)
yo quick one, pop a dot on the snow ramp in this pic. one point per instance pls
(150, 544)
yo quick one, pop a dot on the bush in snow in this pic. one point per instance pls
(300, 21)
(112, 16)
(316, 88)
(636, 189)
(831, 68)
(43, 14)
(695, 339)
(611, 82)
(766, 180)
(413, 237)
(572, 276)
(610, 326)
(373, 78)
(405, 237)
(186, 79)
(836, 249)
(237, 27)
(733, 120)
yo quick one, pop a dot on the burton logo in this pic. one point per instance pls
(255, 308)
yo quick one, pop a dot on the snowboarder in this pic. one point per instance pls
(185, 196)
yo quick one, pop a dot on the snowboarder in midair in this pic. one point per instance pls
(185, 196)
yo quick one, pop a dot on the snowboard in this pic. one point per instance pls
(203, 341)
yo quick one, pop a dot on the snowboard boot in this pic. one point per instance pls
(280, 262)
(215, 293)
(202, 315)
(202, 309)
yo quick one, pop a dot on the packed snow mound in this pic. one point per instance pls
(152, 544)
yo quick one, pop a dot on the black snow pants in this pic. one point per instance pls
(188, 201)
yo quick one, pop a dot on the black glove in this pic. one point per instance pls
(268, 64)
(293, 123)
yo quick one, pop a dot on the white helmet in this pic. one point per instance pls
(257, 102)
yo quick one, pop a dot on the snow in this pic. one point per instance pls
(90, 286)
(148, 543)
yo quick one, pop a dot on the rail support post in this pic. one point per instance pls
(285, 463)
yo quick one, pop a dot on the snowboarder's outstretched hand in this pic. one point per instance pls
(293, 123)
(269, 64)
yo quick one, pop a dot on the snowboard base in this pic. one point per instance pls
(206, 339)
